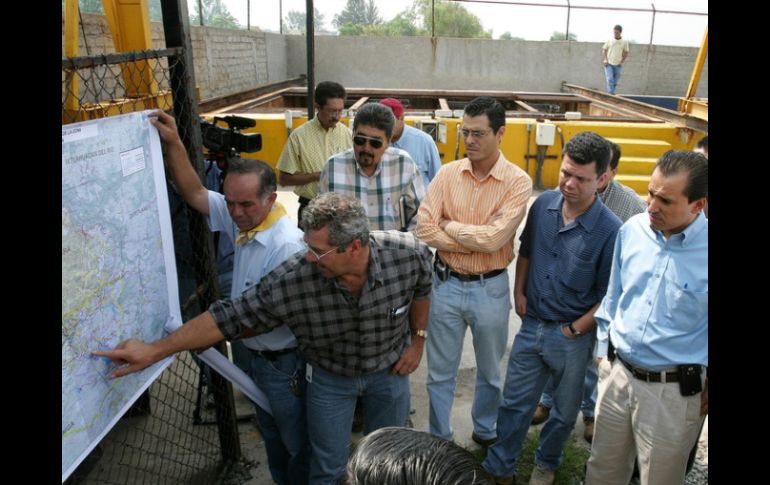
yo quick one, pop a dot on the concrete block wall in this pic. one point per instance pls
(481, 64)
(227, 61)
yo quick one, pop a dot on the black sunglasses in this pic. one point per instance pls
(361, 139)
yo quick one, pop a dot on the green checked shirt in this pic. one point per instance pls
(342, 334)
(395, 175)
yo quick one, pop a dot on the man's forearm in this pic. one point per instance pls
(200, 332)
(289, 179)
(418, 315)
(586, 322)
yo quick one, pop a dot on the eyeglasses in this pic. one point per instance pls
(361, 139)
(318, 256)
(335, 112)
(475, 133)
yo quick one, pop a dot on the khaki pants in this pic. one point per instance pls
(649, 419)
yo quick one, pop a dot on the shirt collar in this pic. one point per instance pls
(275, 213)
(587, 219)
(689, 234)
(496, 171)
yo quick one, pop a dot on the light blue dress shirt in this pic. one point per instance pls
(255, 259)
(656, 306)
(421, 147)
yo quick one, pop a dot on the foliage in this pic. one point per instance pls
(403, 24)
(560, 36)
(570, 472)
(215, 14)
(508, 36)
(295, 22)
(452, 20)
(358, 12)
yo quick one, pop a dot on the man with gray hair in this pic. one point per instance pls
(262, 235)
(358, 304)
(385, 179)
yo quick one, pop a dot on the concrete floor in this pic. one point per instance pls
(253, 446)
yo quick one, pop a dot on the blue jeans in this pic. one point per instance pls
(612, 73)
(540, 350)
(483, 306)
(589, 391)
(331, 400)
(285, 432)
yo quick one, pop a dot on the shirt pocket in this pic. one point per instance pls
(575, 273)
(685, 304)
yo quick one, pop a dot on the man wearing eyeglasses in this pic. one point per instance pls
(310, 145)
(470, 216)
(263, 237)
(358, 303)
(385, 179)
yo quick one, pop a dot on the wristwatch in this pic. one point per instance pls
(420, 333)
(575, 333)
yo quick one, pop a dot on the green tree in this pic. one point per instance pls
(560, 36)
(403, 24)
(508, 36)
(215, 14)
(452, 20)
(358, 12)
(296, 22)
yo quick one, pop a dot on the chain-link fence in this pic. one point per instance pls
(182, 430)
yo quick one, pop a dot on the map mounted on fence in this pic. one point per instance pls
(118, 270)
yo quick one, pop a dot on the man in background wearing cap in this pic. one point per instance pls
(418, 144)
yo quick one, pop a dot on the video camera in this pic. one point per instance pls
(228, 141)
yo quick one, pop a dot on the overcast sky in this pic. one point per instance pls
(531, 23)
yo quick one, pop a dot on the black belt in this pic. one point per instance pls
(649, 376)
(273, 354)
(476, 277)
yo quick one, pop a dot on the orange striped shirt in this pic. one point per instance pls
(484, 215)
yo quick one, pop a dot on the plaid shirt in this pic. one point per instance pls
(622, 200)
(341, 333)
(395, 175)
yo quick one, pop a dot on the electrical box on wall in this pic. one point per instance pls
(545, 133)
(436, 129)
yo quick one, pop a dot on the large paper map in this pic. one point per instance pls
(118, 270)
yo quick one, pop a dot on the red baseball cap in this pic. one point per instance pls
(394, 105)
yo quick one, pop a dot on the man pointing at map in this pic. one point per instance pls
(358, 304)
(263, 237)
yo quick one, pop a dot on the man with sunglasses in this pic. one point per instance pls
(385, 179)
(358, 304)
(470, 216)
(263, 236)
(310, 145)
(418, 144)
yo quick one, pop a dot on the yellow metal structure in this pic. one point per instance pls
(129, 22)
(641, 143)
(690, 104)
(71, 44)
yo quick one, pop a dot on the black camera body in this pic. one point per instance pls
(229, 141)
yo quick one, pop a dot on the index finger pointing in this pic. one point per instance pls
(114, 354)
